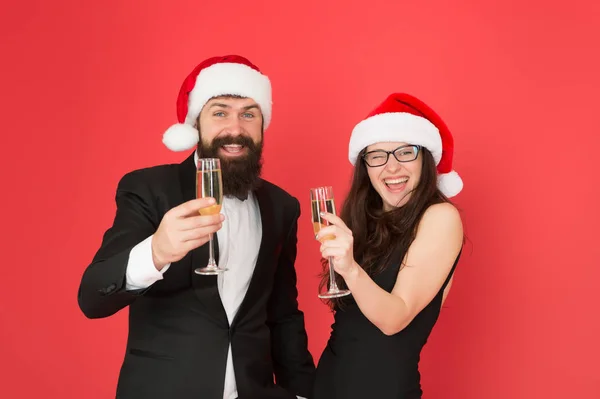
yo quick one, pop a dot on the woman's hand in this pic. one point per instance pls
(337, 242)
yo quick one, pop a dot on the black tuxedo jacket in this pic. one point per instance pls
(178, 329)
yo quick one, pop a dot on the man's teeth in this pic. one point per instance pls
(233, 147)
(396, 181)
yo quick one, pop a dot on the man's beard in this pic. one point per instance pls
(240, 174)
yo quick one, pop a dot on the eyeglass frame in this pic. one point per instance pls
(393, 152)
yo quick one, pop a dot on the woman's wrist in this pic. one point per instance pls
(352, 275)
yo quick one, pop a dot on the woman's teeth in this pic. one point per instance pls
(395, 181)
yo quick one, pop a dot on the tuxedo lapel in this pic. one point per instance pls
(205, 287)
(267, 250)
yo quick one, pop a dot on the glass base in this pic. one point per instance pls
(210, 270)
(334, 294)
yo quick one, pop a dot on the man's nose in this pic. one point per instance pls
(234, 127)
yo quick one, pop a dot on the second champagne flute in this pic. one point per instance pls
(321, 199)
(209, 183)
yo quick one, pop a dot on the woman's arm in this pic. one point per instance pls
(426, 266)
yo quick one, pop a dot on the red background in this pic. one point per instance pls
(89, 87)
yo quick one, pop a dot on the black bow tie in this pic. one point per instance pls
(243, 197)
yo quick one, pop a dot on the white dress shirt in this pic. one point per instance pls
(239, 241)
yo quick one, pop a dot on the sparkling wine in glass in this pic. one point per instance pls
(209, 183)
(322, 200)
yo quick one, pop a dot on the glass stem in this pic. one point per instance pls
(211, 252)
(332, 284)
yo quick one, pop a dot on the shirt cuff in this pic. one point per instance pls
(141, 272)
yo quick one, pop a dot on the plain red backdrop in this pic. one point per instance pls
(89, 87)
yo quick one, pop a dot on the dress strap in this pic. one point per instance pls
(451, 270)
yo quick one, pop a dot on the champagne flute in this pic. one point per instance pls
(209, 184)
(322, 200)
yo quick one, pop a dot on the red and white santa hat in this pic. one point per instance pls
(402, 117)
(216, 76)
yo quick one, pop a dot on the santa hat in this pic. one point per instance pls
(216, 76)
(402, 117)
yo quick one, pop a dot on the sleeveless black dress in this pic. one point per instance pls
(361, 362)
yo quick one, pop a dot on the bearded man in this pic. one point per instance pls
(236, 334)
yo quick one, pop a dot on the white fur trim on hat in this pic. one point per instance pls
(392, 127)
(180, 137)
(450, 183)
(230, 78)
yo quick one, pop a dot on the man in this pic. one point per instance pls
(196, 336)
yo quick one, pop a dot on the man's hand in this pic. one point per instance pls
(181, 230)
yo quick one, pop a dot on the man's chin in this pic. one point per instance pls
(238, 164)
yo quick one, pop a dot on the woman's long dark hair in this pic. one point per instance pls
(377, 233)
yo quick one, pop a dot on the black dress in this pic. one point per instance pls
(361, 362)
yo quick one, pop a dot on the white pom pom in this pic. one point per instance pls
(450, 184)
(180, 137)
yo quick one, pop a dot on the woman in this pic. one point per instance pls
(396, 246)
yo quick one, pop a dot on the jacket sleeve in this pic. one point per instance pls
(102, 291)
(293, 364)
